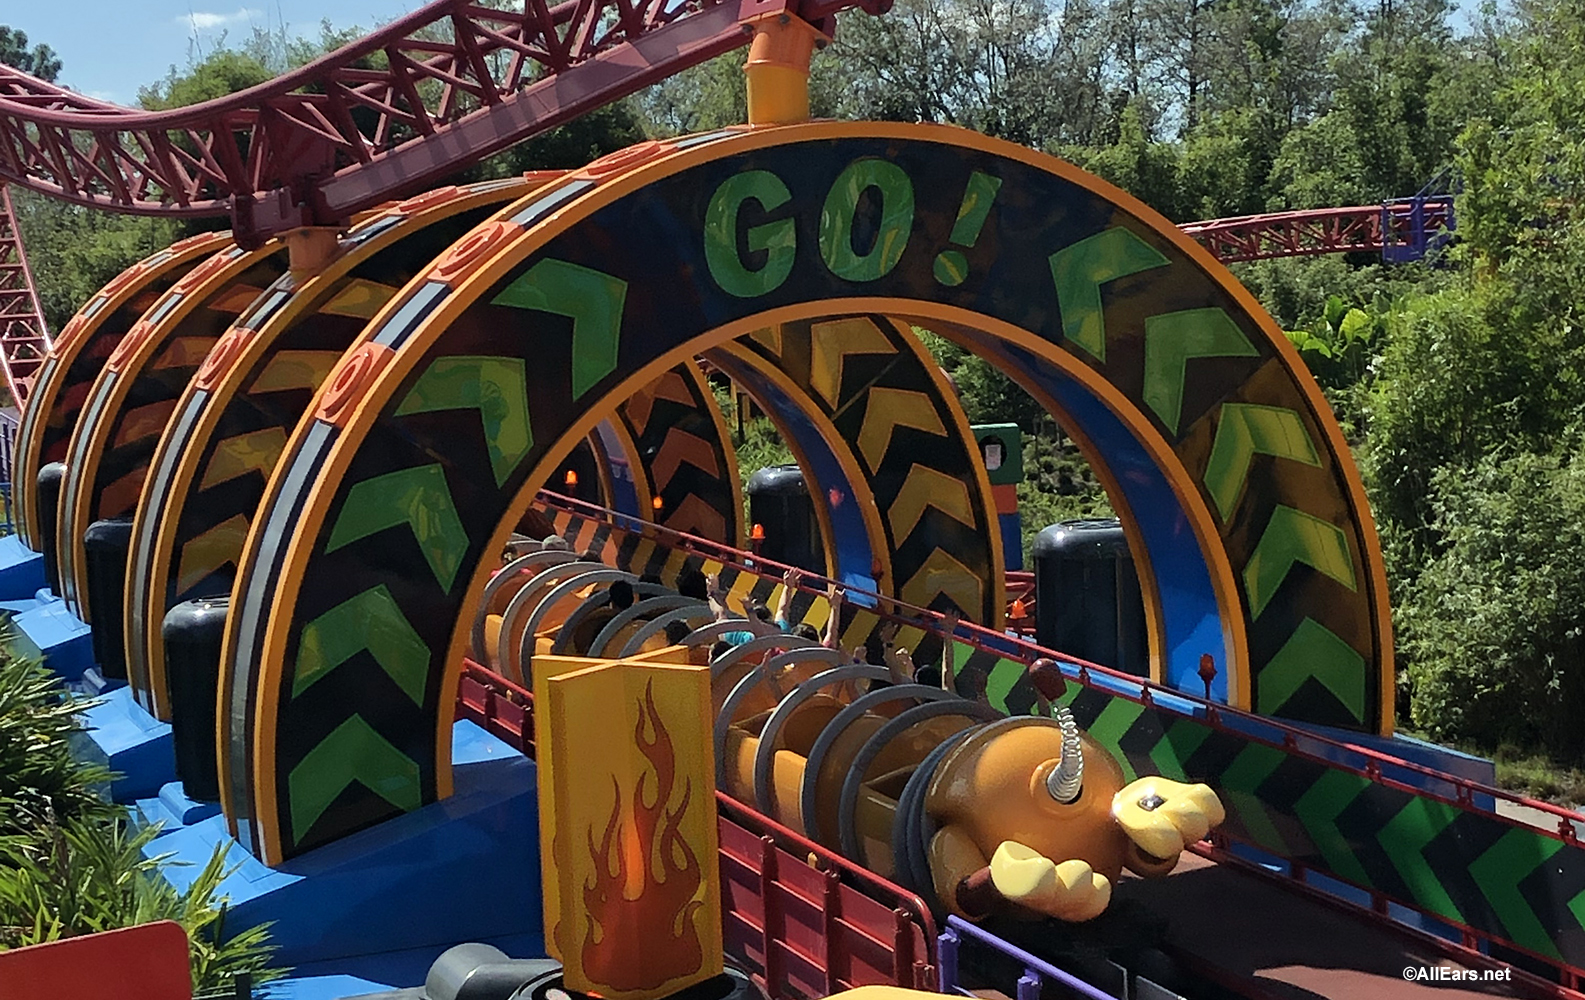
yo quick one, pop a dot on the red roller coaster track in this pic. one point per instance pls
(1398, 225)
(381, 118)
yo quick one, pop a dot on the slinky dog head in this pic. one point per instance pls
(1008, 781)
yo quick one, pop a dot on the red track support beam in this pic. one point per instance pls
(24, 339)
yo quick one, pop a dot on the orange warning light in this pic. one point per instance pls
(1018, 609)
(758, 534)
(657, 503)
(572, 477)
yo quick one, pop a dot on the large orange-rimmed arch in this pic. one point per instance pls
(492, 370)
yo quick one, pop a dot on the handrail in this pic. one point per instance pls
(1034, 968)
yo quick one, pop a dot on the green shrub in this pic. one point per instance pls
(1491, 629)
(69, 864)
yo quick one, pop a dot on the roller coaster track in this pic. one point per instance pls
(1398, 230)
(24, 340)
(383, 117)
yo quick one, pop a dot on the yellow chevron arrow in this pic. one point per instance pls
(144, 421)
(295, 370)
(888, 409)
(696, 517)
(679, 447)
(942, 574)
(670, 386)
(927, 487)
(770, 337)
(829, 346)
(245, 453)
(360, 299)
(211, 550)
(183, 352)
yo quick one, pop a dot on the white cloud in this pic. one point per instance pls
(203, 20)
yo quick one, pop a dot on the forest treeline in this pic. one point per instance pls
(1460, 381)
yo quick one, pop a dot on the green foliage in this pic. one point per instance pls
(39, 61)
(1491, 628)
(69, 865)
(224, 71)
(38, 777)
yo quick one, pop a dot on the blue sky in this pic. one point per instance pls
(109, 48)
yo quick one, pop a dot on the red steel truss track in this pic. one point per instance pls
(24, 340)
(1382, 228)
(384, 117)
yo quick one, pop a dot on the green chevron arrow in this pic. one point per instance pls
(1405, 836)
(1080, 270)
(1177, 745)
(1110, 726)
(417, 497)
(1499, 871)
(1293, 536)
(592, 299)
(352, 752)
(1174, 339)
(1243, 431)
(1253, 765)
(373, 621)
(1318, 810)
(496, 387)
(1313, 651)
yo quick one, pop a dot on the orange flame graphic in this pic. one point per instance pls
(644, 883)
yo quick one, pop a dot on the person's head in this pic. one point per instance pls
(591, 555)
(691, 583)
(720, 649)
(650, 578)
(555, 543)
(621, 595)
(677, 632)
(804, 630)
(760, 611)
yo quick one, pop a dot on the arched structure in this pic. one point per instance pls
(78, 356)
(614, 274)
(135, 394)
(913, 482)
(230, 424)
(681, 451)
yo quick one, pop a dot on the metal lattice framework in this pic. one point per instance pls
(384, 117)
(24, 339)
(1399, 230)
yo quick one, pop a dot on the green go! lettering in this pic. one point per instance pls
(897, 219)
(779, 238)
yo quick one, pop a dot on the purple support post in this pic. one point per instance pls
(947, 958)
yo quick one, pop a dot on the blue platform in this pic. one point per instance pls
(50, 632)
(21, 570)
(465, 869)
(123, 736)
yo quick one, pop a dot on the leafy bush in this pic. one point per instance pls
(1491, 629)
(68, 863)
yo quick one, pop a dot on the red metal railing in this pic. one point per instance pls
(804, 921)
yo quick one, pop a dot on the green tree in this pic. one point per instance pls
(39, 61)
